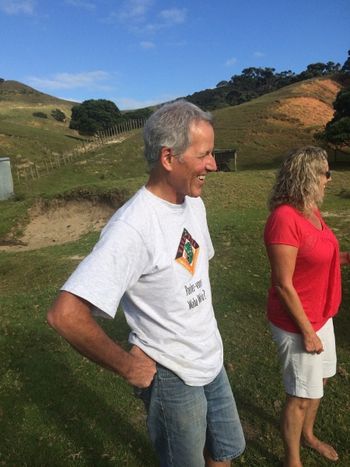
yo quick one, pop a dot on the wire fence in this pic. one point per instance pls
(113, 132)
(27, 171)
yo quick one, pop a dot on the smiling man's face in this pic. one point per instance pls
(191, 167)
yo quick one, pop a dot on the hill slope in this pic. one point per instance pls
(263, 129)
(26, 135)
(19, 93)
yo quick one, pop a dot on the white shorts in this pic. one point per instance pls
(303, 372)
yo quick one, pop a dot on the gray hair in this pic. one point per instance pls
(169, 127)
(297, 182)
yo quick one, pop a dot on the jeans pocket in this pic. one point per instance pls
(144, 393)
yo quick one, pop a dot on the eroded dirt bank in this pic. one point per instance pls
(59, 222)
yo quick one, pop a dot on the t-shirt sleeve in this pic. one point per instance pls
(282, 228)
(117, 261)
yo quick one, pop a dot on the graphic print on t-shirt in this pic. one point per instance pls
(187, 252)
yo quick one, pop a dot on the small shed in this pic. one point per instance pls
(6, 181)
(224, 159)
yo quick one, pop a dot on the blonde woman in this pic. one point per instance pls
(304, 296)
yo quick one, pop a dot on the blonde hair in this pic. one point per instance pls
(297, 182)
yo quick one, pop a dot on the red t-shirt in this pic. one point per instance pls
(316, 277)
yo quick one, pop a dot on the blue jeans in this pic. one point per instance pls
(182, 420)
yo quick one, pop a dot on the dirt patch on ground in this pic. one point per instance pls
(314, 109)
(324, 89)
(60, 222)
(309, 111)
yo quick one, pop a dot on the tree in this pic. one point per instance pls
(254, 82)
(315, 70)
(39, 114)
(94, 115)
(138, 113)
(58, 115)
(209, 99)
(346, 67)
(332, 67)
(222, 83)
(235, 97)
(342, 104)
(337, 131)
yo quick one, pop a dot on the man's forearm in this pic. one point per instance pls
(81, 331)
(70, 316)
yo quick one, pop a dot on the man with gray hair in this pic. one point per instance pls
(153, 259)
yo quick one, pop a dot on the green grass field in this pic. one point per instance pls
(59, 409)
(56, 408)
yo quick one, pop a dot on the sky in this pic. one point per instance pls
(138, 53)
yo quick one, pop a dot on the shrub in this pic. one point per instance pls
(58, 115)
(39, 114)
(94, 115)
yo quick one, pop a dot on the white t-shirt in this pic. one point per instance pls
(153, 258)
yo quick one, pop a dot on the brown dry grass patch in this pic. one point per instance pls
(61, 222)
(309, 111)
(312, 107)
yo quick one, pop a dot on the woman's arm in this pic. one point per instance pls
(282, 259)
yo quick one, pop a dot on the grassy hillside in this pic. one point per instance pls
(26, 137)
(265, 128)
(13, 91)
(261, 130)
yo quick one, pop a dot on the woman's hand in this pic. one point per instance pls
(312, 343)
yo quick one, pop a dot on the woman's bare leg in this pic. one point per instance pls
(292, 422)
(326, 450)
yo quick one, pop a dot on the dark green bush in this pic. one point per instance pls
(58, 115)
(39, 114)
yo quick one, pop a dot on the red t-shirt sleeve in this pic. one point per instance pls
(282, 228)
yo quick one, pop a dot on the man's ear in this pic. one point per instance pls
(166, 158)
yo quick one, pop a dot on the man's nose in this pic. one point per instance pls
(211, 164)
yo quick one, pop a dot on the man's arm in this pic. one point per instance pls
(70, 316)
